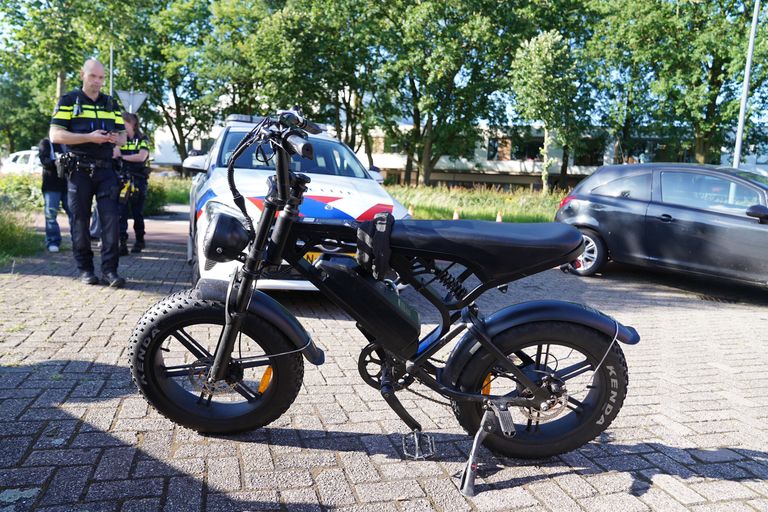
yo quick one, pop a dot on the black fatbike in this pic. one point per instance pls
(534, 379)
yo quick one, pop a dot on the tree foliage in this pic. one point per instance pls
(550, 87)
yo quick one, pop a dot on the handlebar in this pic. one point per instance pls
(295, 119)
(286, 134)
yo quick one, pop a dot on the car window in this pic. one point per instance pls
(706, 192)
(629, 187)
(331, 158)
(23, 159)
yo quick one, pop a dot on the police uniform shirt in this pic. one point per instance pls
(77, 113)
(132, 147)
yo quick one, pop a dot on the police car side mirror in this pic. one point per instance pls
(195, 163)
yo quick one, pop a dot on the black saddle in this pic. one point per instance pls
(495, 252)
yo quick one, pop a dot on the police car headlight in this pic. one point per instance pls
(226, 236)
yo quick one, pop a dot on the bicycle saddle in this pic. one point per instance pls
(493, 251)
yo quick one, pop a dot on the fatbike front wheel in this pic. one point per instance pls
(171, 351)
(591, 393)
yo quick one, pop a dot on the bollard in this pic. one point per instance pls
(455, 214)
(410, 210)
(499, 217)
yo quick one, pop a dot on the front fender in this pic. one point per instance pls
(264, 306)
(528, 312)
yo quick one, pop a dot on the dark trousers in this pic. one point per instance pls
(81, 188)
(136, 204)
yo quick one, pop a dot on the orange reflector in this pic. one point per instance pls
(265, 379)
(487, 385)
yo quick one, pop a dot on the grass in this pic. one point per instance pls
(176, 190)
(519, 205)
(17, 237)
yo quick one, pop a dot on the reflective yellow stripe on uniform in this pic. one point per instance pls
(63, 114)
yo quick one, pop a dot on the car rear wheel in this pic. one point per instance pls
(594, 256)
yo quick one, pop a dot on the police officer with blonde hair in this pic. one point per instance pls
(90, 124)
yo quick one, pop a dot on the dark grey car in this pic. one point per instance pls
(694, 218)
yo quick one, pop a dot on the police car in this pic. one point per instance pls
(22, 162)
(341, 189)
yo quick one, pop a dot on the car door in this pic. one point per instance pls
(697, 221)
(619, 208)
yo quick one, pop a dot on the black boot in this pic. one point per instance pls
(138, 245)
(123, 247)
(114, 280)
(88, 277)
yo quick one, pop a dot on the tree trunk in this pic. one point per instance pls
(61, 84)
(701, 148)
(9, 136)
(366, 135)
(409, 150)
(425, 160)
(545, 161)
(563, 182)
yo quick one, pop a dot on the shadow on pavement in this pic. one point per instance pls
(64, 444)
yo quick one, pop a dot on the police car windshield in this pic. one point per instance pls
(331, 158)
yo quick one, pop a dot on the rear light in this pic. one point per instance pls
(566, 200)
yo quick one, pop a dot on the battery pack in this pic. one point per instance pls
(379, 310)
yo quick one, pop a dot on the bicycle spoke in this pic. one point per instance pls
(574, 370)
(247, 393)
(183, 370)
(193, 346)
(253, 364)
(575, 405)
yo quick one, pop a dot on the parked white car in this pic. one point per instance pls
(341, 189)
(22, 162)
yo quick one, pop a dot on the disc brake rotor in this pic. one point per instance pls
(199, 373)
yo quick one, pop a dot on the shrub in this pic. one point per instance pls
(21, 192)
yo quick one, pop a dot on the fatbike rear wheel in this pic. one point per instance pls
(591, 393)
(171, 350)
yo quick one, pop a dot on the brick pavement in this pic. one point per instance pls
(75, 435)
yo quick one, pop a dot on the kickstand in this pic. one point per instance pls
(467, 486)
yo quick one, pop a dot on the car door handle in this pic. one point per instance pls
(665, 218)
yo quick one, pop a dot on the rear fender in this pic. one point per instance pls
(529, 312)
(264, 306)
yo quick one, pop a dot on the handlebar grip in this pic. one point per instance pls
(300, 146)
(310, 127)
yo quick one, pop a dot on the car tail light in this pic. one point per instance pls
(566, 200)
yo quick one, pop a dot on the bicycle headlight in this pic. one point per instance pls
(226, 236)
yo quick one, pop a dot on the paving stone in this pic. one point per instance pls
(388, 491)
(67, 486)
(126, 488)
(333, 488)
(184, 494)
(613, 502)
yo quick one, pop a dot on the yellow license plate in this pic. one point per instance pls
(313, 256)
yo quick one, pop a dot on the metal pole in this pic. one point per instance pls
(745, 88)
(111, 59)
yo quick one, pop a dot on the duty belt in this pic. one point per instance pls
(89, 164)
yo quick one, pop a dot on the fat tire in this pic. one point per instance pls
(600, 258)
(614, 381)
(177, 309)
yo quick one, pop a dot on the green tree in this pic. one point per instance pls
(684, 64)
(550, 87)
(445, 63)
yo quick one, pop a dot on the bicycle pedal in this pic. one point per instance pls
(418, 445)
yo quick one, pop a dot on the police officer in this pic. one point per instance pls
(54, 192)
(89, 123)
(134, 156)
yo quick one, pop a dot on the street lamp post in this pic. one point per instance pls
(745, 88)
